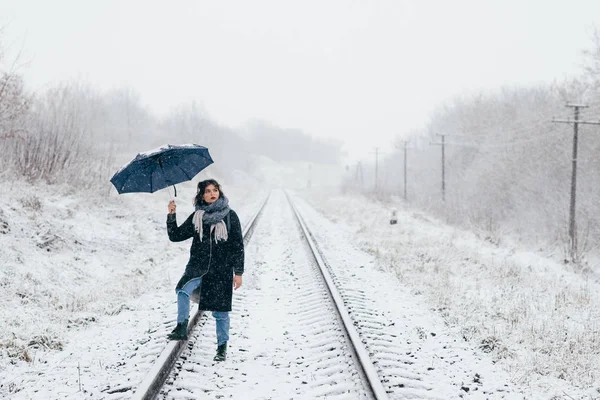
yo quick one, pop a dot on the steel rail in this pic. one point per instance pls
(154, 381)
(364, 361)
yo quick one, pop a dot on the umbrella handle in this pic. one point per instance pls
(174, 188)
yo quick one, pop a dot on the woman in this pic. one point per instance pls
(217, 253)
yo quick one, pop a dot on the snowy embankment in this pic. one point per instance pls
(536, 318)
(87, 287)
(87, 294)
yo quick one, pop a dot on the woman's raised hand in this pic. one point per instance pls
(172, 207)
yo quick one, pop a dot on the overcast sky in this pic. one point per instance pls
(360, 71)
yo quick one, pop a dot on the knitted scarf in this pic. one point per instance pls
(212, 214)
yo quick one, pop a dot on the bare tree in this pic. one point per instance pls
(508, 166)
(592, 61)
(14, 107)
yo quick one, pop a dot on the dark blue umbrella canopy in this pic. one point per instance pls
(162, 167)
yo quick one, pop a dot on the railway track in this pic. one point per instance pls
(305, 333)
(152, 384)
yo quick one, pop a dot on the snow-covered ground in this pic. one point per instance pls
(535, 317)
(87, 296)
(88, 287)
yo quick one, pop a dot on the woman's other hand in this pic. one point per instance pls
(237, 281)
(172, 207)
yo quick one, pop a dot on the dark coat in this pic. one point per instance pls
(214, 262)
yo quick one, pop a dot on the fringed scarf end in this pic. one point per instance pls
(219, 228)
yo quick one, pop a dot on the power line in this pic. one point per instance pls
(505, 144)
(532, 128)
(492, 125)
(487, 131)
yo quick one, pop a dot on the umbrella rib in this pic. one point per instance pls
(160, 164)
(185, 173)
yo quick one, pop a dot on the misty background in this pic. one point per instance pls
(507, 167)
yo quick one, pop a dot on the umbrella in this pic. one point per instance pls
(157, 169)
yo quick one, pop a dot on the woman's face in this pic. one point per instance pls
(211, 194)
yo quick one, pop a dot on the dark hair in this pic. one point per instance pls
(200, 193)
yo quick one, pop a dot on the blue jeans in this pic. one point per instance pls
(183, 310)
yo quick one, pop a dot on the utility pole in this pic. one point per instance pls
(377, 154)
(443, 144)
(572, 207)
(358, 177)
(308, 185)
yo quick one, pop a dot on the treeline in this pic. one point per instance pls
(290, 145)
(508, 166)
(75, 134)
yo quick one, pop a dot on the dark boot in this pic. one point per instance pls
(180, 332)
(221, 352)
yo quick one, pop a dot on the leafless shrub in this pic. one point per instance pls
(4, 226)
(489, 344)
(117, 309)
(78, 322)
(15, 351)
(54, 139)
(46, 342)
(14, 388)
(49, 241)
(31, 202)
